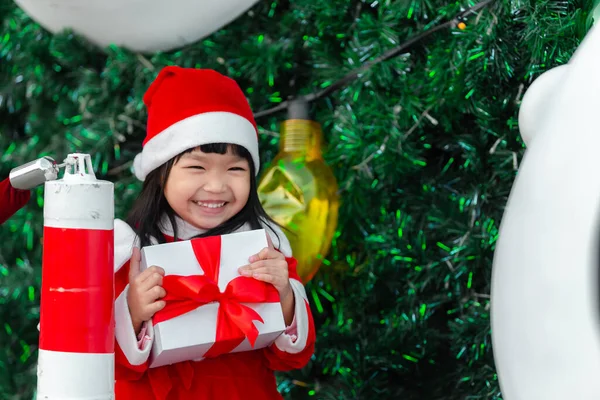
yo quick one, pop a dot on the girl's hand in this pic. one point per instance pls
(145, 290)
(270, 266)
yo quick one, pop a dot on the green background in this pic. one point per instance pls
(424, 146)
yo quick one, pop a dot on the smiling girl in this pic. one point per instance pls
(199, 165)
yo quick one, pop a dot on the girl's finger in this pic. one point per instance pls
(254, 265)
(261, 255)
(268, 278)
(153, 280)
(156, 306)
(147, 273)
(267, 254)
(268, 269)
(152, 270)
(134, 264)
(155, 293)
(277, 265)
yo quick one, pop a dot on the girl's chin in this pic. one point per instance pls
(206, 222)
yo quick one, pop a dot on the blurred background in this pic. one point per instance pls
(423, 146)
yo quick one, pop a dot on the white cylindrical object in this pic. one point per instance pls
(76, 356)
(61, 376)
(78, 200)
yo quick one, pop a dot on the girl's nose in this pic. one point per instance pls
(215, 184)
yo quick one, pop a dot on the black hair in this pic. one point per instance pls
(151, 205)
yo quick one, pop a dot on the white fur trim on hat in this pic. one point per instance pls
(205, 128)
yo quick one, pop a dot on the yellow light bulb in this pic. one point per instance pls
(299, 191)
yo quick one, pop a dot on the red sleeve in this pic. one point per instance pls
(11, 200)
(294, 351)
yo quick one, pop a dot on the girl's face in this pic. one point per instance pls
(207, 189)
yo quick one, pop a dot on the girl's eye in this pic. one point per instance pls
(236, 169)
(196, 167)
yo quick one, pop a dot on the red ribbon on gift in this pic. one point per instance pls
(235, 321)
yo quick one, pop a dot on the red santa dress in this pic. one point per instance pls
(237, 376)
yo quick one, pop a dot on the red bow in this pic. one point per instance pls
(235, 321)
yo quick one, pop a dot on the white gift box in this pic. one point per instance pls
(189, 336)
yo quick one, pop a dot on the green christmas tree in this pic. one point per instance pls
(425, 147)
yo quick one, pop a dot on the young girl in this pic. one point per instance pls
(199, 164)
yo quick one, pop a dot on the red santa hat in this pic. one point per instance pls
(189, 107)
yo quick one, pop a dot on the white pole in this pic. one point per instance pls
(76, 352)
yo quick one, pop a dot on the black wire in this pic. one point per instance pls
(352, 75)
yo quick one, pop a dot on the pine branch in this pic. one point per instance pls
(351, 76)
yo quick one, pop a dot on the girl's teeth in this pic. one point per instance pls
(210, 205)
